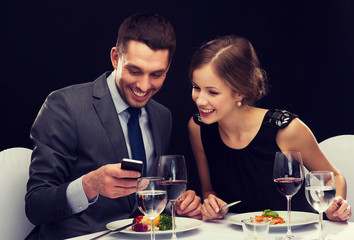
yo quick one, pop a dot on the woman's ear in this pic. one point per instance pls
(114, 57)
(238, 97)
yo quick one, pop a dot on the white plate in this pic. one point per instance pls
(298, 219)
(182, 224)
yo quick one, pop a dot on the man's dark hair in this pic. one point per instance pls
(151, 29)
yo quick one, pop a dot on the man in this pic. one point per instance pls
(80, 136)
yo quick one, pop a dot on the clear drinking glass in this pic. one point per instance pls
(320, 191)
(288, 174)
(255, 230)
(151, 197)
(173, 169)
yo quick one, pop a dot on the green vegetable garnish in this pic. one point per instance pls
(270, 213)
(165, 222)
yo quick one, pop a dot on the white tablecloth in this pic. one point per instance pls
(223, 230)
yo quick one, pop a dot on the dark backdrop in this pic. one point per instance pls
(306, 47)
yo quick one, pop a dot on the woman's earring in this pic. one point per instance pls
(239, 104)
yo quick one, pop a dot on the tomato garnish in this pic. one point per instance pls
(138, 218)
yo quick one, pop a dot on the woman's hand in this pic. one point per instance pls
(341, 213)
(211, 208)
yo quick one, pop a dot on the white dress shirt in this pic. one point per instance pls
(75, 193)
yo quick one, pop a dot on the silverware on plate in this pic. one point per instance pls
(229, 205)
(113, 231)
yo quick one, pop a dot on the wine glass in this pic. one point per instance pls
(320, 191)
(151, 197)
(173, 169)
(288, 174)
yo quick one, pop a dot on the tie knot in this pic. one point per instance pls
(134, 112)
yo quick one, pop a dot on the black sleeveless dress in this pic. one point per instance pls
(247, 174)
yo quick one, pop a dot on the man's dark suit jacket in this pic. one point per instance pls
(76, 131)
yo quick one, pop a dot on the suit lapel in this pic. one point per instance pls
(155, 130)
(107, 113)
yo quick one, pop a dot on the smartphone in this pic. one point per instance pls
(131, 164)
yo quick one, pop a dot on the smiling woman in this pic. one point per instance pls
(212, 94)
(234, 142)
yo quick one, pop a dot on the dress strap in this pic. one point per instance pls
(277, 118)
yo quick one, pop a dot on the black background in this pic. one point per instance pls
(306, 48)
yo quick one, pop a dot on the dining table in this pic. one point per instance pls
(222, 229)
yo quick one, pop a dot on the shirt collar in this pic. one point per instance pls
(118, 101)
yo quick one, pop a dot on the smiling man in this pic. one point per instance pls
(141, 72)
(81, 134)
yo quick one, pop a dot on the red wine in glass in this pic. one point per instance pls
(173, 169)
(175, 188)
(288, 176)
(288, 186)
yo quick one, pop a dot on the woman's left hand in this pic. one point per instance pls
(341, 213)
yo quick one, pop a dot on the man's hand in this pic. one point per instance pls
(110, 181)
(189, 205)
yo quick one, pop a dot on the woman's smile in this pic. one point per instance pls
(206, 112)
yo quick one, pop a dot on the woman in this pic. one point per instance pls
(234, 142)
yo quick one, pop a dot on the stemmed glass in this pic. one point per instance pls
(288, 174)
(173, 169)
(320, 191)
(151, 197)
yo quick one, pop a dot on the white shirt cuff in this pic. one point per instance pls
(77, 198)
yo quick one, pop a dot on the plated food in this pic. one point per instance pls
(182, 224)
(161, 223)
(298, 219)
(273, 216)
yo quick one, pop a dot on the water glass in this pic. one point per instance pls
(255, 230)
(151, 197)
(320, 191)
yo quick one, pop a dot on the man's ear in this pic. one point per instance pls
(168, 67)
(114, 57)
